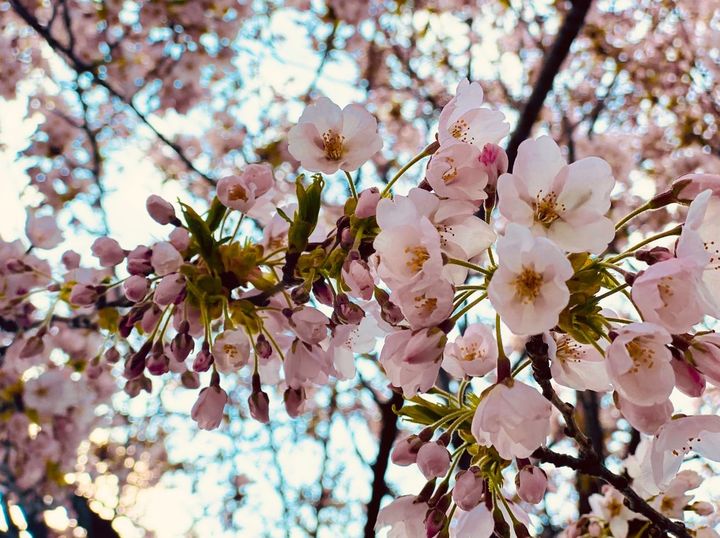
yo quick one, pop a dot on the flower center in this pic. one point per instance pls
(567, 350)
(528, 284)
(418, 256)
(461, 131)
(333, 145)
(665, 288)
(642, 357)
(451, 173)
(237, 192)
(470, 352)
(425, 305)
(230, 350)
(546, 208)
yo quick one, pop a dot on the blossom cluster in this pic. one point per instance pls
(289, 309)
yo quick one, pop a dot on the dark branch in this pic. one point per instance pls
(387, 437)
(569, 30)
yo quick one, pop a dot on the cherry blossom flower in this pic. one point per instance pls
(638, 362)
(426, 302)
(405, 516)
(165, 258)
(475, 523)
(51, 393)
(673, 501)
(411, 359)
(108, 251)
(698, 433)
(672, 294)
(231, 350)
(699, 238)
(310, 324)
(528, 288)
(43, 232)
(512, 417)
(455, 171)
(705, 353)
(464, 119)
(208, 409)
(242, 192)
(359, 278)
(610, 506)
(306, 364)
(645, 418)
(566, 203)
(575, 365)
(327, 139)
(473, 354)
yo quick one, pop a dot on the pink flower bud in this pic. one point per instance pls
(181, 346)
(702, 508)
(367, 203)
(405, 451)
(294, 401)
(357, 275)
(136, 287)
(203, 360)
(138, 261)
(83, 295)
(259, 404)
(180, 239)
(190, 380)
(169, 289)
(468, 491)
(112, 355)
(495, 161)
(157, 362)
(134, 386)
(108, 251)
(160, 210)
(165, 258)
(71, 260)
(208, 409)
(150, 318)
(531, 483)
(433, 460)
(687, 379)
(434, 522)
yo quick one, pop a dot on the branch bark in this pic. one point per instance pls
(387, 437)
(569, 30)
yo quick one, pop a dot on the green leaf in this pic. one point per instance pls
(215, 214)
(198, 228)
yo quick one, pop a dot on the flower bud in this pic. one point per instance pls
(263, 347)
(208, 409)
(433, 460)
(203, 359)
(138, 261)
(367, 203)
(108, 251)
(180, 239)
(169, 290)
(181, 346)
(259, 404)
(71, 260)
(83, 295)
(434, 522)
(294, 401)
(531, 483)
(190, 380)
(405, 451)
(136, 287)
(468, 491)
(160, 210)
(112, 355)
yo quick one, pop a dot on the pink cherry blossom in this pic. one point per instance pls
(473, 354)
(241, 192)
(698, 433)
(425, 302)
(575, 365)
(610, 506)
(688, 379)
(465, 120)
(566, 203)
(528, 288)
(672, 294)
(433, 460)
(411, 359)
(645, 418)
(310, 324)
(455, 171)
(698, 239)
(512, 417)
(43, 232)
(51, 393)
(689, 186)
(705, 353)
(208, 409)
(231, 350)
(136, 287)
(405, 516)
(531, 483)
(169, 289)
(638, 362)
(327, 139)
(307, 364)
(405, 451)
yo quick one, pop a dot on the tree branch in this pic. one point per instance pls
(551, 67)
(387, 437)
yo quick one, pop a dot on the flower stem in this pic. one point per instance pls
(630, 251)
(429, 150)
(351, 184)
